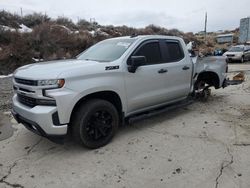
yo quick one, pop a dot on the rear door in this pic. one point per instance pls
(179, 69)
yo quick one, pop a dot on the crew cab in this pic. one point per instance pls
(91, 95)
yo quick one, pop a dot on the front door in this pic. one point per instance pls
(147, 86)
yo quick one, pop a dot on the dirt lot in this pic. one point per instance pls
(202, 145)
(5, 93)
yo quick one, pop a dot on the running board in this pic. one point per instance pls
(158, 111)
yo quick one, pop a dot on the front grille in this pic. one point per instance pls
(230, 55)
(32, 102)
(28, 101)
(26, 82)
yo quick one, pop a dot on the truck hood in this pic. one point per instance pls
(52, 69)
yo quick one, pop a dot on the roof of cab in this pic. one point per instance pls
(147, 37)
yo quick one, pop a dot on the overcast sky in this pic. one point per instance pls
(181, 14)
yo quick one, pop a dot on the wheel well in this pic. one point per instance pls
(209, 78)
(110, 96)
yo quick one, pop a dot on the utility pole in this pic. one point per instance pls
(92, 20)
(21, 11)
(205, 30)
(43, 18)
(93, 23)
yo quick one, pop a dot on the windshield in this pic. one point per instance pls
(236, 49)
(106, 51)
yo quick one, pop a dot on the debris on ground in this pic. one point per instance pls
(239, 77)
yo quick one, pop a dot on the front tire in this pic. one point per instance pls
(95, 123)
(228, 60)
(242, 60)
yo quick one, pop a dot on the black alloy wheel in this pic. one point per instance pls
(95, 123)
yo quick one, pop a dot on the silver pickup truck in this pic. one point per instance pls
(115, 79)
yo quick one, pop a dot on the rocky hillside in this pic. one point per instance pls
(36, 37)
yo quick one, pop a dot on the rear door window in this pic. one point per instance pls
(174, 51)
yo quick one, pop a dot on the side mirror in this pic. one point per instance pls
(135, 62)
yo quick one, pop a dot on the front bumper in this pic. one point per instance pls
(38, 119)
(234, 58)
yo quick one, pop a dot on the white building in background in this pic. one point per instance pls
(226, 38)
(244, 30)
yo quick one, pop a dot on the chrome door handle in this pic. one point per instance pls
(185, 68)
(161, 71)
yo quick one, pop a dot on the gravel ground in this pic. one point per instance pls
(5, 93)
(201, 145)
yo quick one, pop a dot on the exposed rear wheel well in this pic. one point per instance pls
(210, 78)
(109, 96)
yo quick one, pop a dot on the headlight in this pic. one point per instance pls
(56, 83)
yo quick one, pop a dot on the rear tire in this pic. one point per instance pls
(95, 123)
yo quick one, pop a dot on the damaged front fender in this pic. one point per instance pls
(211, 70)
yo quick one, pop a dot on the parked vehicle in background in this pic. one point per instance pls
(238, 53)
(219, 52)
(111, 82)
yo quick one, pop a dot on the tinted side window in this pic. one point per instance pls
(175, 52)
(151, 51)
